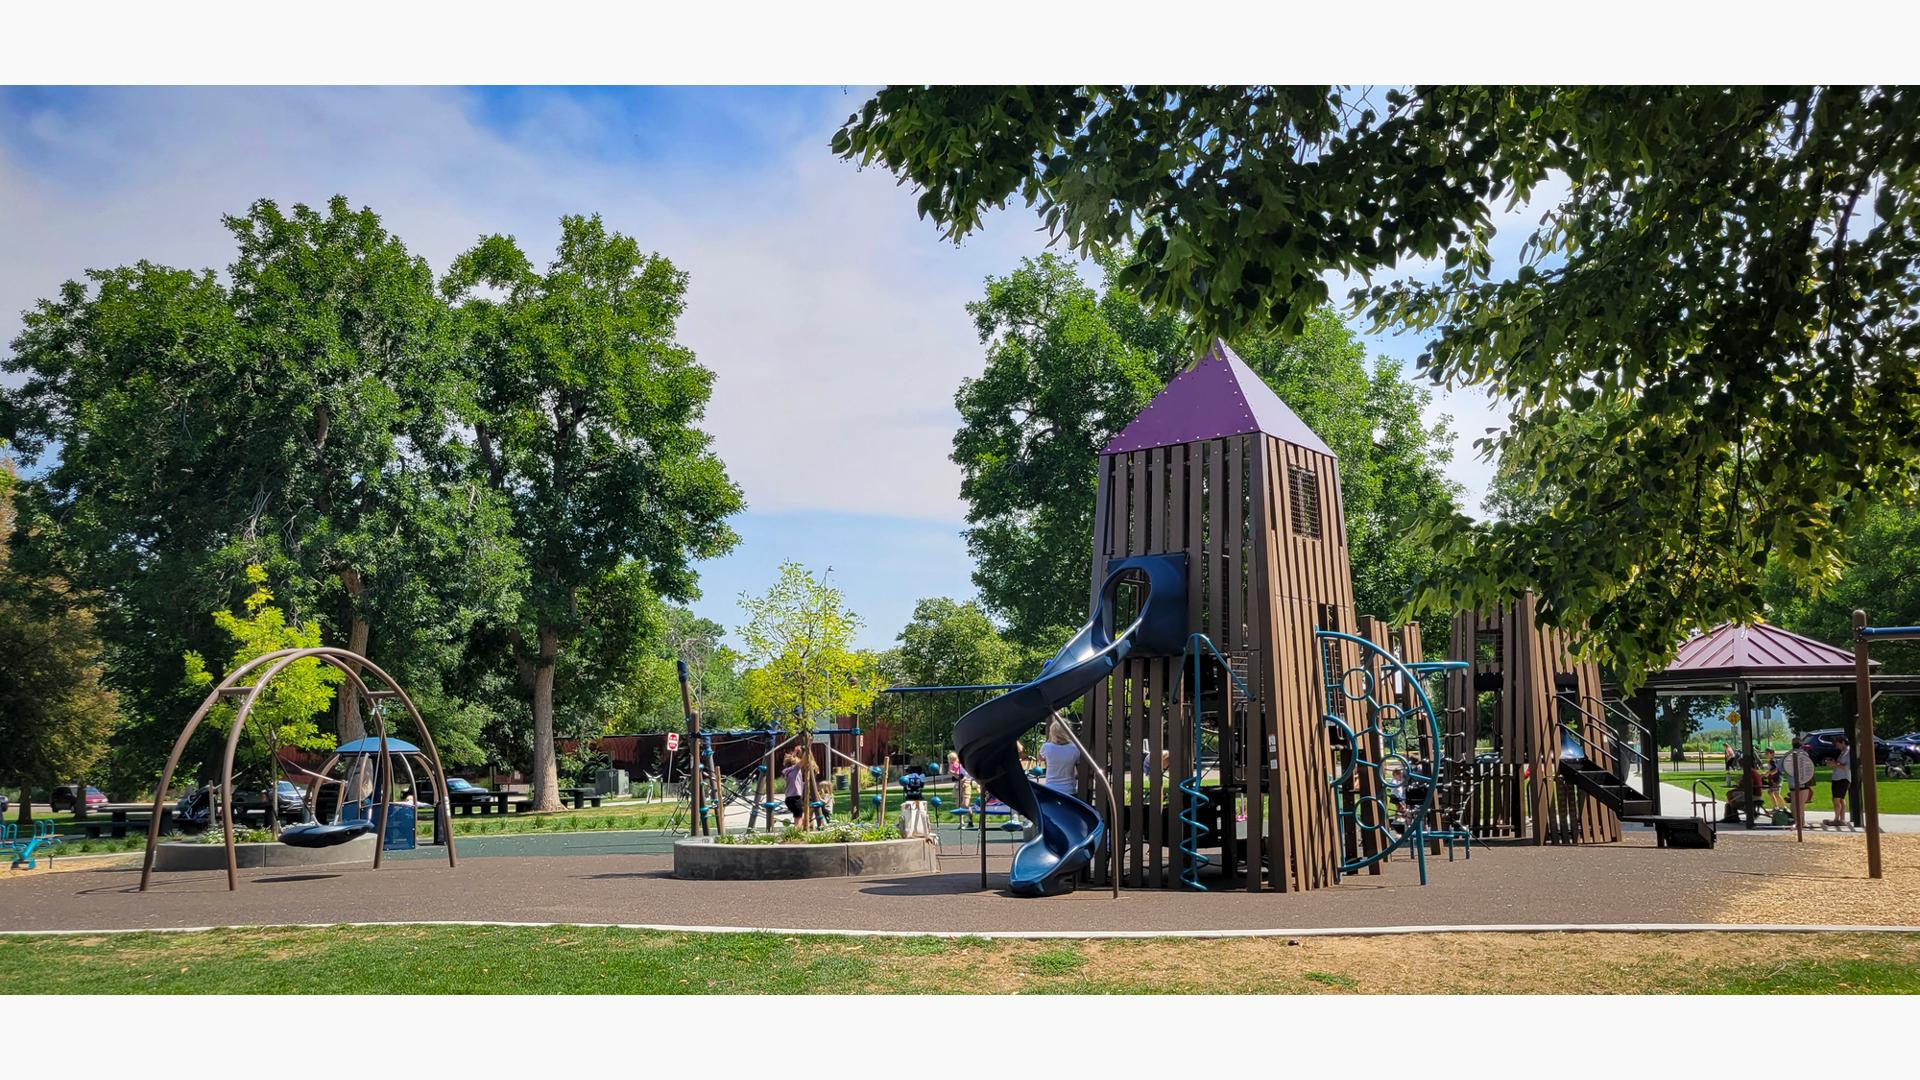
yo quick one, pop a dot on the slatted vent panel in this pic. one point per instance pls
(1304, 496)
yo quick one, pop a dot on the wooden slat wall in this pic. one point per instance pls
(1258, 591)
(1527, 725)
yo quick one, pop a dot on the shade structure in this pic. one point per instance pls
(1752, 651)
(371, 745)
(1217, 398)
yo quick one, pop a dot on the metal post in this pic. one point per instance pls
(696, 774)
(1864, 778)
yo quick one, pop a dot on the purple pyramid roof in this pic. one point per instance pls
(1215, 398)
(1732, 650)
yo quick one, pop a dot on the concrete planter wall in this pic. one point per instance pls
(183, 856)
(700, 859)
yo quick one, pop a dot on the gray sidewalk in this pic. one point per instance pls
(1678, 801)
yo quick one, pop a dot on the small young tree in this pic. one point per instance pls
(800, 637)
(289, 709)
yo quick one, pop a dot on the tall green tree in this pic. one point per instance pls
(304, 419)
(945, 643)
(55, 713)
(1732, 270)
(1067, 367)
(357, 415)
(1880, 575)
(588, 426)
(130, 384)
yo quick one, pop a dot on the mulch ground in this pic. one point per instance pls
(1766, 879)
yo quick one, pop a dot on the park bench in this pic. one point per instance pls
(22, 849)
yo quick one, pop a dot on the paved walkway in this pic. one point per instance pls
(1678, 800)
(1630, 882)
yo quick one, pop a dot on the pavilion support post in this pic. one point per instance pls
(1645, 706)
(1852, 709)
(1865, 780)
(1745, 691)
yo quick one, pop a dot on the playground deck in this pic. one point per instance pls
(1628, 882)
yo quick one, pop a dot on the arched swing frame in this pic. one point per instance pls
(262, 670)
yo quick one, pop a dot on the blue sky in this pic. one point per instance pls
(831, 314)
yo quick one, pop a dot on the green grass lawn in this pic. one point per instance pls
(1896, 796)
(458, 959)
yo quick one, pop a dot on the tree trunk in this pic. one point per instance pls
(546, 772)
(346, 703)
(26, 805)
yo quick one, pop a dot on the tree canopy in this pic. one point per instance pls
(1731, 274)
(305, 419)
(1067, 367)
(587, 425)
(945, 643)
(55, 714)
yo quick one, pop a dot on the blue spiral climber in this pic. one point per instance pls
(1192, 829)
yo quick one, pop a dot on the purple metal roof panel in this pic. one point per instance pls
(1215, 398)
(1758, 649)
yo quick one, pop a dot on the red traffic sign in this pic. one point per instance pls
(673, 741)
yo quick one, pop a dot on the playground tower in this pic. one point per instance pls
(1527, 694)
(1219, 468)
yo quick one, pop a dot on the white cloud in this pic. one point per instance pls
(833, 315)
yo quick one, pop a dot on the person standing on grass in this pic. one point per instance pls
(1842, 781)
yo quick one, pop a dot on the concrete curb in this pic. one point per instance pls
(1078, 935)
(702, 858)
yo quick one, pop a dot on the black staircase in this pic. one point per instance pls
(1590, 777)
(1619, 796)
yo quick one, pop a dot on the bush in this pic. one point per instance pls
(838, 834)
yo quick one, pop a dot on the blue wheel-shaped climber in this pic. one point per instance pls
(1390, 748)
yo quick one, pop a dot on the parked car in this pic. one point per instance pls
(3, 806)
(464, 791)
(67, 796)
(1819, 746)
(192, 809)
(1903, 751)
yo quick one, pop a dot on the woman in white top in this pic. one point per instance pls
(1062, 758)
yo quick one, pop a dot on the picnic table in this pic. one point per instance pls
(484, 803)
(579, 797)
(118, 819)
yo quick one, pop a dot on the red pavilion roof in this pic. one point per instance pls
(1734, 650)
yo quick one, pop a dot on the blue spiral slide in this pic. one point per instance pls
(987, 738)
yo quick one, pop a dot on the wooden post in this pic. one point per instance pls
(1864, 776)
(696, 775)
(1745, 691)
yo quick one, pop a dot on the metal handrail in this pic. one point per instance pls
(1113, 810)
(1626, 715)
(1570, 698)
